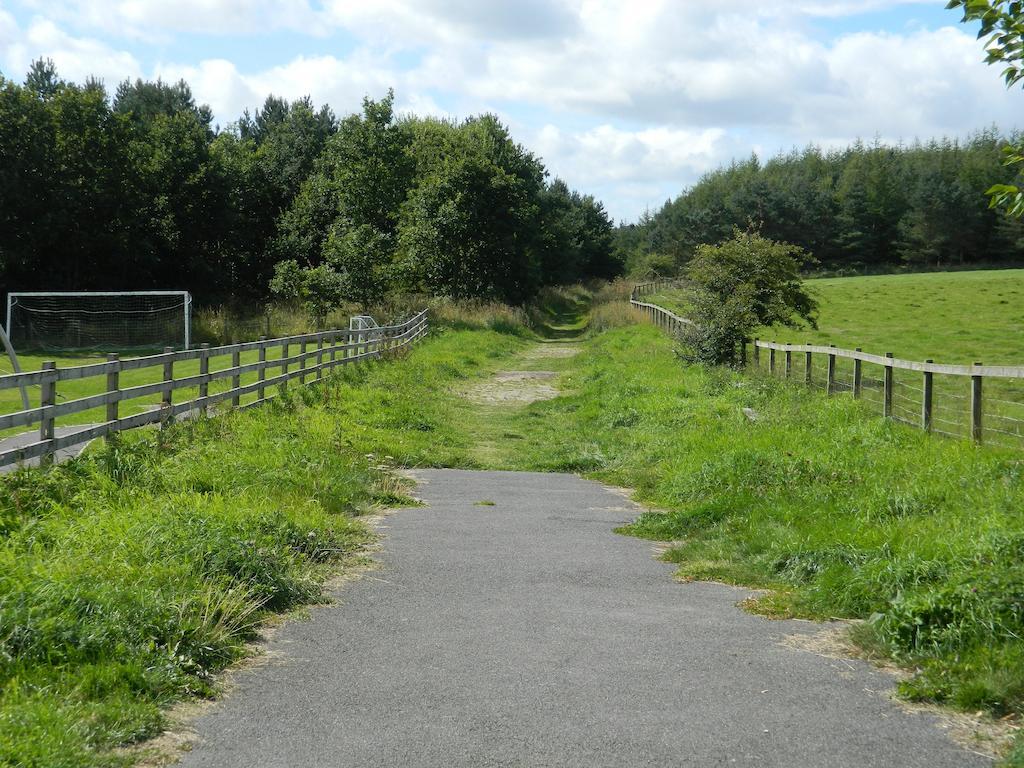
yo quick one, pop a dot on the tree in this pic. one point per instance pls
(144, 101)
(42, 79)
(470, 226)
(317, 290)
(741, 284)
(1002, 22)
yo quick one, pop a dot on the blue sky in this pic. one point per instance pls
(630, 101)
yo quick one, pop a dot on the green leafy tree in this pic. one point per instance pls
(42, 79)
(741, 284)
(144, 101)
(317, 290)
(363, 258)
(470, 226)
(1002, 24)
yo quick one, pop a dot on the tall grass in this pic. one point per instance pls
(229, 325)
(132, 575)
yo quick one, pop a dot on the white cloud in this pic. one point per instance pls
(158, 19)
(608, 154)
(341, 83)
(631, 170)
(76, 57)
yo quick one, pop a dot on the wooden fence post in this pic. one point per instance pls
(284, 365)
(236, 380)
(302, 363)
(47, 399)
(926, 400)
(887, 391)
(807, 368)
(771, 360)
(113, 386)
(319, 357)
(789, 361)
(831, 382)
(168, 395)
(204, 370)
(976, 409)
(261, 372)
(857, 376)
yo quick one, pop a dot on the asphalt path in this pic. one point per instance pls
(528, 633)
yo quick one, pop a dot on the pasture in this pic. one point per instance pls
(955, 318)
(951, 317)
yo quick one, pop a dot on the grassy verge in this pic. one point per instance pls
(840, 513)
(128, 577)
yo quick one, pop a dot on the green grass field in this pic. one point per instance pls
(838, 512)
(951, 317)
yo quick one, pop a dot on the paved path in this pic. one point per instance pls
(529, 634)
(27, 438)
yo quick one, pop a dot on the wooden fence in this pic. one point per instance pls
(980, 402)
(660, 316)
(653, 286)
(317, 353)
(984, 403)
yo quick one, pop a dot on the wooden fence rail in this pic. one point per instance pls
(318, 352)
(653, 286)
(935, 399)
(984, 403)
(660, 316)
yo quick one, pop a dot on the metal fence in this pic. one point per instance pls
(316, 353)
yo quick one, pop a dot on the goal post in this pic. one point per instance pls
(112, 320)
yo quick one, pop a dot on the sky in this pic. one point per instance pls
(628, 100)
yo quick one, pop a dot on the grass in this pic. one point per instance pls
(10, 399)
(952, 317)
(838, 512)
(131, 575)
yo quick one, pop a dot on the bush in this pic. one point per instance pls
(744, 282)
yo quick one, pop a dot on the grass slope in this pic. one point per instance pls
(952, 317)
(131, 575)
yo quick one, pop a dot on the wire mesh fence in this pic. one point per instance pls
(980, 403)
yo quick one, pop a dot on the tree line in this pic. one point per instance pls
(868, 207)
(141, 191)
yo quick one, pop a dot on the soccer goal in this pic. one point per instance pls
(113, 320)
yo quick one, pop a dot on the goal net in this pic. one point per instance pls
(99, 320)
